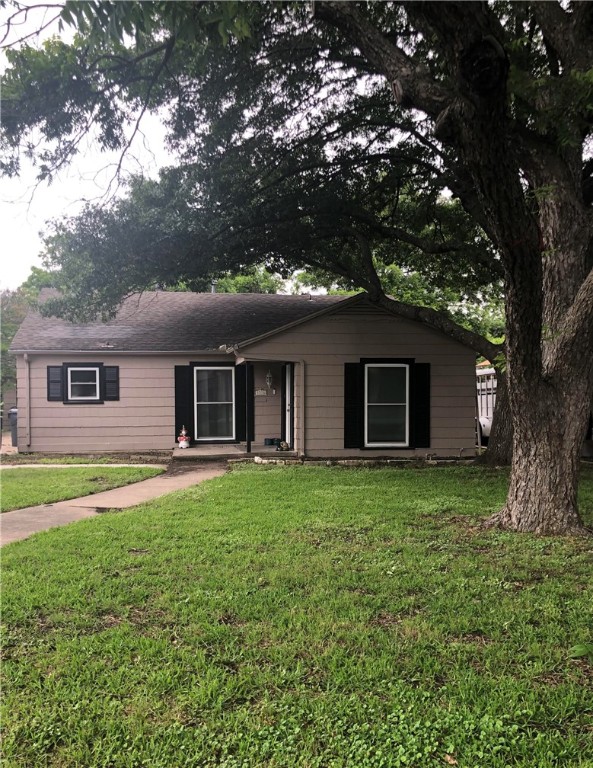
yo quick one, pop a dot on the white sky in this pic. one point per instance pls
(26, 206)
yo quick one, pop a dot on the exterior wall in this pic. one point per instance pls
(322, 346)
(142, 419)
(144, 416)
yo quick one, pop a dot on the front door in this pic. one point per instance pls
(214, 398)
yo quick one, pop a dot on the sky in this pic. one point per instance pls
(26, 206)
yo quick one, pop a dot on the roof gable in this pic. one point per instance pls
(329, 309)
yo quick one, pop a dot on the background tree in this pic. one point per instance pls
(492, 104)
(254, 279)
(14, 306)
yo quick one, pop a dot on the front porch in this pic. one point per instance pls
(235, 410)
(210, 452)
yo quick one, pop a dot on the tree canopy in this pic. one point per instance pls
(289, 156)
(450, 138)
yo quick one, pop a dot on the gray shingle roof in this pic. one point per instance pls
(171, 322)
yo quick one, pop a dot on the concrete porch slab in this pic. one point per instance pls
(223, 451)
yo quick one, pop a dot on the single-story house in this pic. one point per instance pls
(330, 376)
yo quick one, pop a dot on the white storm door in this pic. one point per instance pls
(214, 389)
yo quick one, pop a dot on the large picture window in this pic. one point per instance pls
(386, 409)
(214, 389)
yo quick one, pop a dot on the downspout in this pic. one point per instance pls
(28, 400)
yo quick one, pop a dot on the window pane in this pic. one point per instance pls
(386, 424)
(386, 385)
(214, 386)
(84, 383)
(215, 421)
(83, 390)
(86, 375)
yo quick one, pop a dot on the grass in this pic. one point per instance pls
(301, 617)
(113, 458)
(29, 487)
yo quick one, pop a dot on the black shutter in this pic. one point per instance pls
(420, 405)
(353, 405)
(55, 383)
(184, 408)
(243, 393)
(111, 382)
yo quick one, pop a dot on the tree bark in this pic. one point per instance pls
(548, 436)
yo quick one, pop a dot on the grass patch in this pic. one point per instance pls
(99, 458)
(29, 487)
(301, 617)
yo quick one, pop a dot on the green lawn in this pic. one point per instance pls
(29, 487)
(300, 617)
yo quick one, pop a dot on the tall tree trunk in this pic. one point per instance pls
(548, 435)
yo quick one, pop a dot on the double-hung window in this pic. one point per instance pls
(83, 384)
(386, 405)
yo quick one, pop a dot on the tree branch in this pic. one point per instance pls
(555, 25)
(437, 321)
(153, 80)
(572, 346)
(13, 21)
(582, 20)
(443, 324)
(412, 85)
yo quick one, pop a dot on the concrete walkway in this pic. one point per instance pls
(21, 523)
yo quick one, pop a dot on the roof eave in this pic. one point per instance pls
(103, 351)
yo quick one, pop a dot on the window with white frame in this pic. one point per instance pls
(214, 388)
(83, 383)
(387, 405)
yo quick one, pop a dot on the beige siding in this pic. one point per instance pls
(142, 419)
(144, 416)
(322, 346)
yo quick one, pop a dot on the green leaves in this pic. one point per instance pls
(140, 21)
(581, 651)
